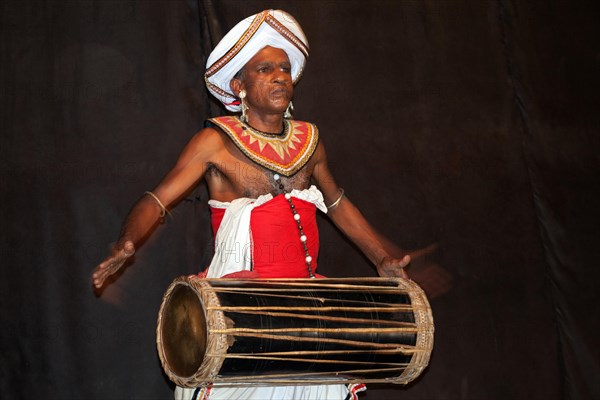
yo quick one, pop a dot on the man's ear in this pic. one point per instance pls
(236, 85)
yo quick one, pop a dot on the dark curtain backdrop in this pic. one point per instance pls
(472, 125)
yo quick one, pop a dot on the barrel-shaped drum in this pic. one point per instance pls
(294, 331)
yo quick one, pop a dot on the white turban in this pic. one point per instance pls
(273, 28)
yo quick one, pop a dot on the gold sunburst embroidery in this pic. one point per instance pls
(280, 145)
(297, 143)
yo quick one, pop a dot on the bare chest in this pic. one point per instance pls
(234, 176)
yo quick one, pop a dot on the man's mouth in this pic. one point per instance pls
(280, 92)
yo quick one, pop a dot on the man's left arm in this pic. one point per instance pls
(353, 224)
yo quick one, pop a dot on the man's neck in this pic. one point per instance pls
(271, 123)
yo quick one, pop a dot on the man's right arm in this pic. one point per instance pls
(146, 213)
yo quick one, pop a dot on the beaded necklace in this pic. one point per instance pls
(303, 238)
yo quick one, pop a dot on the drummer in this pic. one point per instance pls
(266, 173)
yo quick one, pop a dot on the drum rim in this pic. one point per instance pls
(216, 345)
(425, 337)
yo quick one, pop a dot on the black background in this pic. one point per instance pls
(472, 125)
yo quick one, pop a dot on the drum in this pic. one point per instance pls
(294, 331)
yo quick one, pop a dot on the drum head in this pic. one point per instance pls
(184, 331)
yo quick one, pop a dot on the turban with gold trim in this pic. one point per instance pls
(273, 28)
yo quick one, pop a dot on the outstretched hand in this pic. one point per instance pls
(112, 263)
(393, 267)
(431, 277)
(396, 266)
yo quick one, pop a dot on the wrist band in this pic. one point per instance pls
(163, 209)
(335, 203)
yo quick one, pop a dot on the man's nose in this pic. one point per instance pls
(281, 77)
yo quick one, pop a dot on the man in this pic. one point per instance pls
(259, 168)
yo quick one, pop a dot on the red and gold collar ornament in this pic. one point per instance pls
(284, 153)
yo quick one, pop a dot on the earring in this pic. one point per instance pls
(244, 105)
(288, 112)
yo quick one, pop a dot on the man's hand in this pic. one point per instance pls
(432, 278)
(112, 263)
(393, 267)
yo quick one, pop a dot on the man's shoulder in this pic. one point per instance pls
(208, 137)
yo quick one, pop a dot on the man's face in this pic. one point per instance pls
(267, 80)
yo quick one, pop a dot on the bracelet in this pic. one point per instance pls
(163, 209)
(335, 203)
